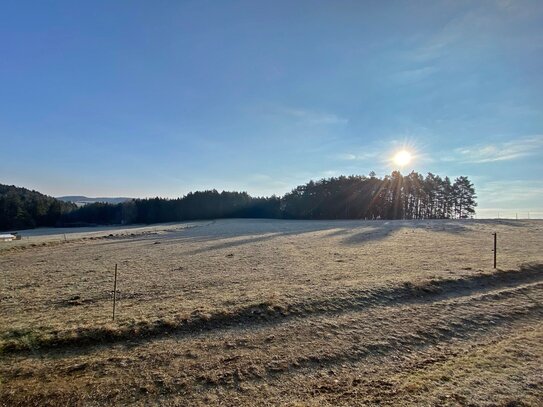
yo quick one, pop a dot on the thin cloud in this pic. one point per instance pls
(480, 26)
(414, 75)
(505, 151)
(517, 190)
(346, 157)
(314, 117)
(510, 198)
(356, 157)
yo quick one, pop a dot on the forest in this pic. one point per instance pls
(394, 196)
(21, 208)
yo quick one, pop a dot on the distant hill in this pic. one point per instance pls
(80, 200)
(21, 208)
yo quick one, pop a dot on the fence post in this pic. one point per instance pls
(495, 247)
(114, 291)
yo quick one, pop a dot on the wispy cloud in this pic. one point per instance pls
(315, 117)
(413, 75)
(504, 151)
(510, 195)
(481, 25)
(345, 157)
(515, 189)
(353, 157)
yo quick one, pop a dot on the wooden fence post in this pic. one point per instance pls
(114, 291)
(495, 247)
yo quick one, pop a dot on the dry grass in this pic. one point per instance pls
(276, 312)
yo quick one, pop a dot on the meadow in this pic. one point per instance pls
(275, 312)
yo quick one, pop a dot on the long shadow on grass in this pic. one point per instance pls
(267, 313)
(273, 228)
(354, 232)
(386, 228)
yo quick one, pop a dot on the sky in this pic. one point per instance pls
(159, 98)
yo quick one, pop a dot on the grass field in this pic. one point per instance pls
(268, 312)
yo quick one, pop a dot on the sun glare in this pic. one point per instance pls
(402, 158)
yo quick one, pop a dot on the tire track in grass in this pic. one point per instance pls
(432, 324)
(267, 313)
(451, 327)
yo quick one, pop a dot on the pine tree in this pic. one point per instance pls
(464, 198)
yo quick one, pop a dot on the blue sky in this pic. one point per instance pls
(133, 98)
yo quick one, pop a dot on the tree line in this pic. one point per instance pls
(21, 208)
(394, 196)
(209, 204)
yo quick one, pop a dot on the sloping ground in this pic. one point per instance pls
(272, 313)
(267, 312)
(477, 343)
(171, 273)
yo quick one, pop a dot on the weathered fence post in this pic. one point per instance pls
(114, 291)
(495, 247)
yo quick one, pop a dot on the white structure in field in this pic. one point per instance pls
(7, 237)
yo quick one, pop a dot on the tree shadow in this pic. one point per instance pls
(381, 229)
(269, 231)
(351, 232)
(231, 233)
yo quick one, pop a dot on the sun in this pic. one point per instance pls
(402, 158)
